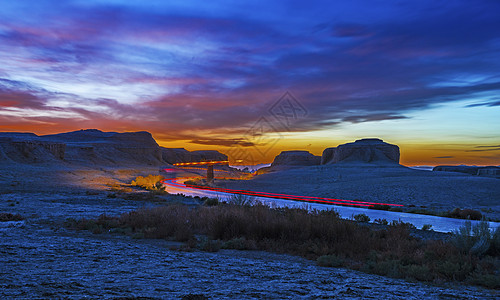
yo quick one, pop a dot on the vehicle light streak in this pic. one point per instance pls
(280, 196)
(202, 163)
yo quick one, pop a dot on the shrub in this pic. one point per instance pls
(396, 209)
(209, 245)
(361, 218)
(469, 214)
(236, 243)
(426, 227)
(495, 242)
(5, 217)
(240, 199)
(418, 272)
(381, 221)
(330, 261)
(380, 207)
(487, 280)
(475, 239)
(211, 202)
(316, 235)
(387, 267)
(402, 224)
(151, 182)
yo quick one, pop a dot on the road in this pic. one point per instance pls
(346, 210)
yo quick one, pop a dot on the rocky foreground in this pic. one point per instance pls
(40, 259)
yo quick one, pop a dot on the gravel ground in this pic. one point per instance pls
(438, 191)
(40, 259)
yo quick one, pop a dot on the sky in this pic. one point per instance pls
(254, 78)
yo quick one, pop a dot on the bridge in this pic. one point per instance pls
(174, 183)
(209, 164)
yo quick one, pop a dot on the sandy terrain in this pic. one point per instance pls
(41, 259)
(437, 191)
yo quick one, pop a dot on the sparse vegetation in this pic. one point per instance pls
(456, 213)
(361, 218)
(240, 199)
(380, 207)
(427, 227)
(381, 221)
(211, 201)
(6, 217)
(150, 182)
(317, 235)
(477, 239)
(329, 261)
(469, 214)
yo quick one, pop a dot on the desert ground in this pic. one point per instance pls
(435, 191)
(42, 259)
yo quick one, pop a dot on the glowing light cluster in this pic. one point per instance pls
(203, 169)
(202, 163)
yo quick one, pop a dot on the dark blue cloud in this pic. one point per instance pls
(213, 65)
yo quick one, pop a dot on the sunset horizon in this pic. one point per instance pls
(423, 76)
(195, 150)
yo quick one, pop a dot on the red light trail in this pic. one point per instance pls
(202, 163)
(311, 199)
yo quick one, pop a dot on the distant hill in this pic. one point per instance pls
(92, 147)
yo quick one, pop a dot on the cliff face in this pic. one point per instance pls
(29, 149)
(296, 158)
(15, 149)
(94, 147)
(488, 171)
(85, 147)
(371, 151)
(362, 151)
(180, 155)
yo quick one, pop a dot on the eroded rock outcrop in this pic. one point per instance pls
(471, 170)
(180, 155)
(362, 151)
(86, 147)
(295, 158)
(328, 155)
(29, 148)
(487, 171)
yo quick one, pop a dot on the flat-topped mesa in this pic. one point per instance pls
(486, 171)
(88, 147)
(370, 150)
(181, 155)
(92, 146)
(296, 158)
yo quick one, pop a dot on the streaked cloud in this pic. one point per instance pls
(203, 73)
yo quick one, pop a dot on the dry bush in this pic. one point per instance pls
(469, 214)
(318, 235)
(5, 217)
(151, 182)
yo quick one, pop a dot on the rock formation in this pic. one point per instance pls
(488, 171)
(327, 156)
(180, 155)
(471, 170)
(28, 148)
(362, 151)
(295, 158)
(81, 147)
